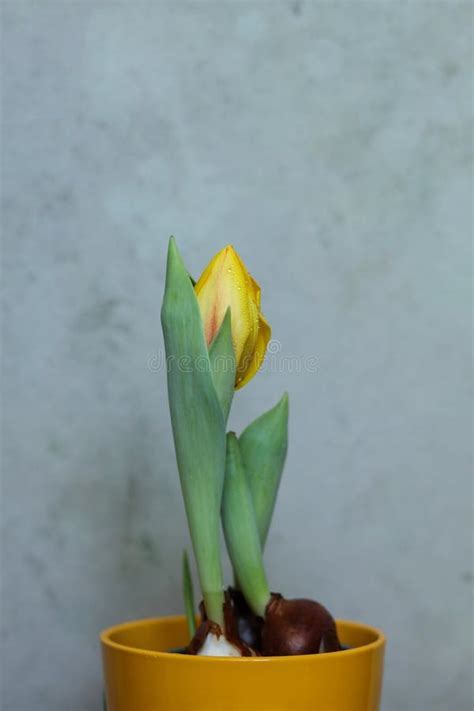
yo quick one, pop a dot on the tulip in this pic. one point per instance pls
(226, 283)
(225, 478)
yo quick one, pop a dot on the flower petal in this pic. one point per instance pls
(226, 283)
(263, 338)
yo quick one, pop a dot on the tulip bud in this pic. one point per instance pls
(226, 282)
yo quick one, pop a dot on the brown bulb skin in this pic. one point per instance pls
(231, 630)
(297, 627)
(249, 626)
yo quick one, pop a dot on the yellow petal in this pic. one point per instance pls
(207, 292)
(252, 285)
(263, 338)
(224, 283)
(247, 352)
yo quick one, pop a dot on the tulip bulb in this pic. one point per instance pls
(297, 627)
(218, 646)
(211, 640)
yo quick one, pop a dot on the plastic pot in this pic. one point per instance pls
(141, 675)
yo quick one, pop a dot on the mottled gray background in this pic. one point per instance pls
(329, 142)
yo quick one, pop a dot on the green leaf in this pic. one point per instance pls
(263, 445)
(223, 364)
(198, 426)
(188, 595)
(240, 530)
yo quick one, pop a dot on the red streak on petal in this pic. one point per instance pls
(212, 325)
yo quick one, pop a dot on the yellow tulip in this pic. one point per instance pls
(226, 282)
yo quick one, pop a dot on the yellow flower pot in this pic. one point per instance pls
(141, 675)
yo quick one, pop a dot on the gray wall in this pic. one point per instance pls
(329, 143)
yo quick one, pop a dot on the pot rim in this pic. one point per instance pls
(107, 641)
